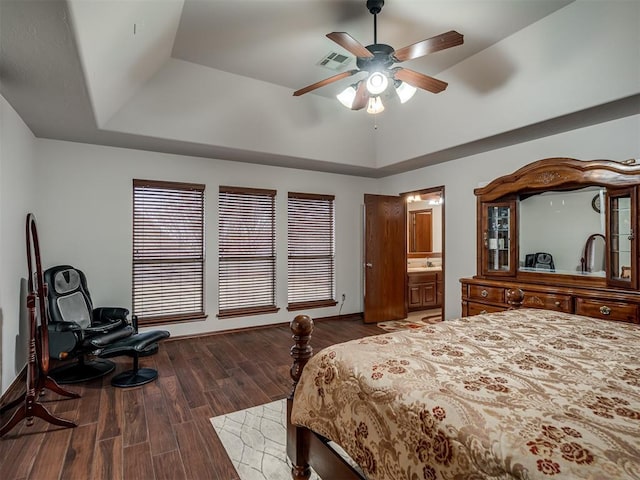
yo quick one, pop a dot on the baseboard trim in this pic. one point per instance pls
(348, 316)
(16, 388)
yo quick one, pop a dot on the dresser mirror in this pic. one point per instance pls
(562, 221)
(562, 232)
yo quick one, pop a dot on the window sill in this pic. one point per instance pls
(292, 307)
(243, 312)
(152, 321)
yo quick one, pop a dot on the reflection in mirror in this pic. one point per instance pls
(593, 257)
(424, 220)
(420, 231)
(553, 227)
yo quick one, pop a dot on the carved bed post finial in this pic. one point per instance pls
(301, 351)
(515, 297)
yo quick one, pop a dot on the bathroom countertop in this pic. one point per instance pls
(423, 269)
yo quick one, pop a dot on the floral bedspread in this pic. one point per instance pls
(523, 394)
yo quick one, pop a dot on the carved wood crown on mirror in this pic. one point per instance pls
(532, 231)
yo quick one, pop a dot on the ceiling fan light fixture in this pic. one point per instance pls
(405, 91)
(347, 96)
(377, 83)
(375, 105)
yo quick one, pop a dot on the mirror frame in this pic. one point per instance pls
(556, 174)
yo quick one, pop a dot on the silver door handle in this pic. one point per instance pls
(368, 265)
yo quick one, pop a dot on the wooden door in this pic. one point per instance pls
(385, 259)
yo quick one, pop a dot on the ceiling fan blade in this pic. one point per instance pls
(324, 82)
(362, 96)
(430, 45)
(350, 44)
(420, 80)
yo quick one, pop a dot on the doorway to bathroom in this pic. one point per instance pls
(425, 253)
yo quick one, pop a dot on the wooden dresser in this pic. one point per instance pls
(531, 232)
(486, 295)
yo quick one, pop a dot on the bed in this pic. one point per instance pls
(519, 394)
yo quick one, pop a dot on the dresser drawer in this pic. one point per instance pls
(481, 309)
(620, 311)
(560, 303)
(487, 294)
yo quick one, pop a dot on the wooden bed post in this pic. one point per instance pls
(297, 437)
(515, 297)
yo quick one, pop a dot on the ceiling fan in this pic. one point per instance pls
(377, 60)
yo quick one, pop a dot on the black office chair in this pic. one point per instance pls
(540, 261)
(77, 331)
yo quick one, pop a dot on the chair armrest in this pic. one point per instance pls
(109, 314)
(59, 327)
(105, 339)
(106, 319)
(64, 338)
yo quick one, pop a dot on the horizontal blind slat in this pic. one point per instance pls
(168, 249)
(247, 261)
(311, 247)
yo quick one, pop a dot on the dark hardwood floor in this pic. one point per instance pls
(162, 430)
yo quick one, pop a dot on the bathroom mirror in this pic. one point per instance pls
(424, 224)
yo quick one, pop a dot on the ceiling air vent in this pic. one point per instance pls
(334, 61)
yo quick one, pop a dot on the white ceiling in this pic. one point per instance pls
(281, 42)
(82, 70)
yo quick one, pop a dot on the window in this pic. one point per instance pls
(247, 256)
(311, 260)
(168, 251)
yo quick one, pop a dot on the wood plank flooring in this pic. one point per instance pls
(162, 430)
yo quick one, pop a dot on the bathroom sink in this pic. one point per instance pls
(423, 269)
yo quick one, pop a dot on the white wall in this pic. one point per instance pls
(213, 107)
(614, 140)
(16, 200)
(85, 209)
(585, 54)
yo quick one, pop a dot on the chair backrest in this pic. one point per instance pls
(540, 260)
(69, 299)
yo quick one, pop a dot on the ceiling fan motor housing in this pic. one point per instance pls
(382, 58)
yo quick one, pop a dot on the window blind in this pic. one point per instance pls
(311, 251)
(168, 251)
(247, 255)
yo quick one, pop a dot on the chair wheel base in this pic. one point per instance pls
(81, 372)
(134, 378)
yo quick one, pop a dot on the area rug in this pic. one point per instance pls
(255, 440)
(427, 318)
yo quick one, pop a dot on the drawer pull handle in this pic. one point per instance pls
(605, 310)
(482, 312)
(484, 294)
(558, 303)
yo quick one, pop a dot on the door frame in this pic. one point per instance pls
(424, 191)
